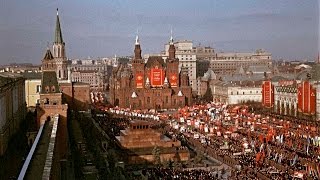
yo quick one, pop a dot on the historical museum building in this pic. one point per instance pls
(155, 84)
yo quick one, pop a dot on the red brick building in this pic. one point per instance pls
(156, 84)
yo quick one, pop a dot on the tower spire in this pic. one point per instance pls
(58, 33)
(172, 49)
(171, 38)
(137, 49)
(137, 38)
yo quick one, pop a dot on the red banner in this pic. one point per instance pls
(156, 77)
(173, 79)
(263, 103)
(267, 94)
(306, 98)
(272, 95)
(300, 99)
(139, 80)
(306, 95)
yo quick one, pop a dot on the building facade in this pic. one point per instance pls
(32, 91)
(12, 106)
(156, 84)
(286, 101)
(235, 93)
(94, 72)
(92, 77)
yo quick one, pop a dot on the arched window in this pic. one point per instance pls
(53, 89)
(59, 73)
(47, 89)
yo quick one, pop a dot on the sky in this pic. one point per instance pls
(288, 29)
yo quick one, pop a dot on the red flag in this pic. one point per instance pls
(300, 102)
(258, 156)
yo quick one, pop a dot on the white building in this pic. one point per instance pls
(286, 100)
(235, 93)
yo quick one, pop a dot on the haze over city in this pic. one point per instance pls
(289, 29)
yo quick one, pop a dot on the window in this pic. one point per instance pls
(148, 100)
(231, 93)
(38, 88)
(167, 99)
(242, 92)
(174, 101)
(46, 101)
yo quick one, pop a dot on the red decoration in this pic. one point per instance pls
(156, 77)
(173, 80)
(139, 80)
(306, 98)
(267, 94)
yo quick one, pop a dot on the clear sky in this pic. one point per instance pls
(98, 28)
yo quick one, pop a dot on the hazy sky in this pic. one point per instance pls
(99, 28)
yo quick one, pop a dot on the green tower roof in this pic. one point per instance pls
(58, 33)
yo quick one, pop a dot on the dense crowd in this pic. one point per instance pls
(278, 148)
(169, 174)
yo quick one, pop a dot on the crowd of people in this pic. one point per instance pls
(169, 174)
(277, 148)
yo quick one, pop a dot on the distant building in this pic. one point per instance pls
(12, 106)
(32, 88)
(94, 72)
(21, 68)
(229, 62)
(93, 77)
(156, 84)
